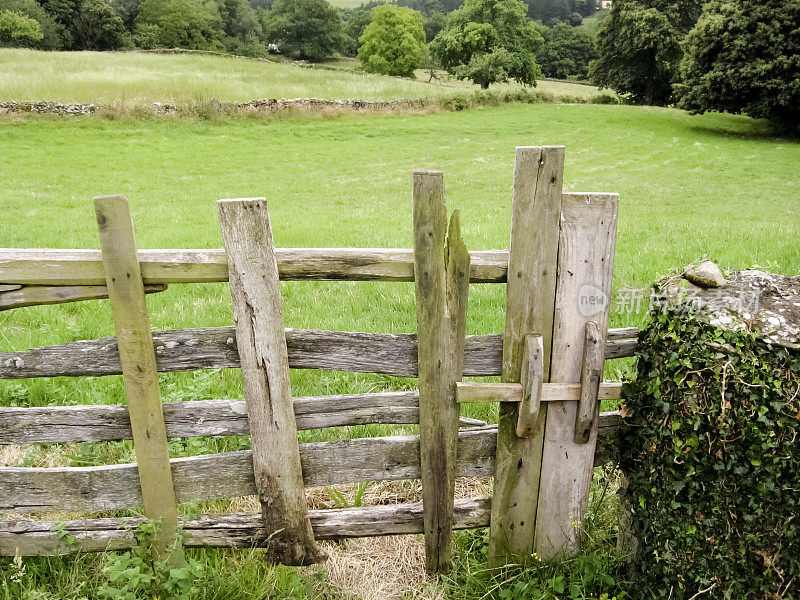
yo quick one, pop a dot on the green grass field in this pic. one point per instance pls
(134, 78)
(691, 186)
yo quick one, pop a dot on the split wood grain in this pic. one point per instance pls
(441, 273)
(530, 297)
(585, 270)
(138, 362)
(258, 312)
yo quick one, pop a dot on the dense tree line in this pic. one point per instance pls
(732, 55)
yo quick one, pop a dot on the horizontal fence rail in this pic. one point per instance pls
(237, 530)
(85, 267)
(215, 348)
(105, 423)
(230, 474)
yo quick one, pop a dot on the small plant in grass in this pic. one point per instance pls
(139, 573)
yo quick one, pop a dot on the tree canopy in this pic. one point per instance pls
(744, 56)
(309, 29)
(193, 24)
(639, 47)
(484, 27)
(394, 41)
(567, 52)
(18, 30)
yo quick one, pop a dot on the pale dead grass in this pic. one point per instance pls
(11, 455)
(382, 568)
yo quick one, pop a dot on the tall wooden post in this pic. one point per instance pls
(260, 337)
(132, 324)
(441, 273)
(530, 298)
(585, 269)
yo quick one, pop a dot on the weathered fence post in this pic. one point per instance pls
(260, 337)
(585, 269)
(441, 273)
(132, 324)
(530, 298)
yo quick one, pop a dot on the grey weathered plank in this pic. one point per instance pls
(39, 266)
(230, 474)
(8, 288)
(585, 271)
(139, 373)
(37, 295)
(101, 422)
(530, 296)
(237, 530)
(215, 348)
(260, 337)
(441, 269)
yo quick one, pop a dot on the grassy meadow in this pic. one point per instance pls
(135, 78)
(691, 186)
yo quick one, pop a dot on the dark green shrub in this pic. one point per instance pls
(713, 462)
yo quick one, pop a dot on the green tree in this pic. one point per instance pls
(355, 22)
(394, 41)
(486, 68)
(744, 56)
(239, 19)
(639, 47)
(127, 10)
(310, 29)
(566, 52)
(54, 35)
(192, 24)
(18, 30)
(97, 26)
(549, 11)
(434, 24)
(484, 27)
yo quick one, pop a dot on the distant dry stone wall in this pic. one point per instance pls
(267, 105)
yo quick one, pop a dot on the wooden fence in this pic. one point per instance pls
(558, 274)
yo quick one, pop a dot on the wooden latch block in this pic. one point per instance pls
(591, 375)
(531, 391)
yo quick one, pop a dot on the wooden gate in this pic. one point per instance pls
(549, 436)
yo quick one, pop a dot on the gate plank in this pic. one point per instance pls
(585, 268)
(530, 296)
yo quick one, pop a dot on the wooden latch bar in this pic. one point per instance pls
(532, 391)
(591, 374)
